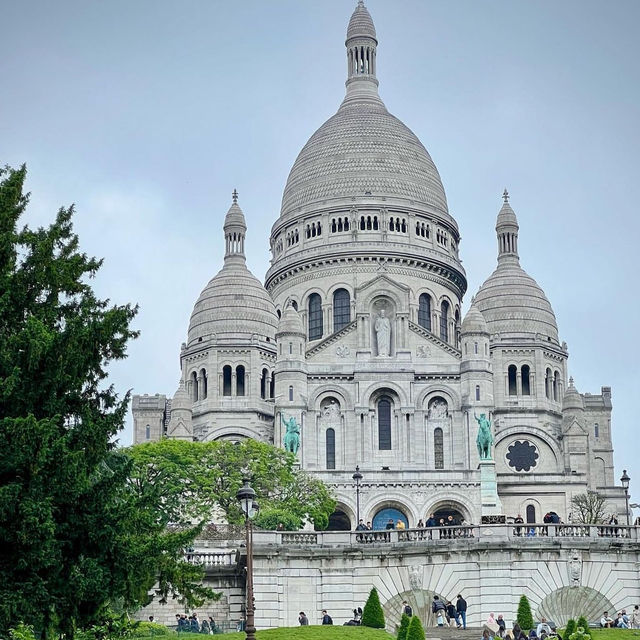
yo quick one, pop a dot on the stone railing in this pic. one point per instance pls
(225, 558)
(472, 534)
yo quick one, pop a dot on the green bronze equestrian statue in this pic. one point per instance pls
(292, 435)
(484, 439)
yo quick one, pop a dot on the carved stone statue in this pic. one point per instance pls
(438, 410)
(383, 334)
(484, 439)
(575, 570)
(292, 435)
(331, 411)
(415, 576)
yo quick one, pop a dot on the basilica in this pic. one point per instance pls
(356, 339)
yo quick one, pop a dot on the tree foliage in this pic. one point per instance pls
(524, 616)
(372, 614)
(200, 479)
(75, 537)
(404, 627)
(415, 630)
(570, 628)
(588, 508)
(584, 624)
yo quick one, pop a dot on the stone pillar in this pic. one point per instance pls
(491, 505)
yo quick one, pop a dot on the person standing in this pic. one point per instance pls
(303, 620)
(461, 610)
(361, 526)
(406, 609)
(390, 524)
(326, 618)
(438, 608)
(400, 524)
(635, 617)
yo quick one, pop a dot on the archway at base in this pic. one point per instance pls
(445, 508)
(419, 600)
(572, 602)
(385, 514)
(339, 521)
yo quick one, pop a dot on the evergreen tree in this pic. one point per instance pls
(524, 617)
(372, 614)
(582, 622)
(570, 628)
(75, 537)
(404, 627)
(415, 631)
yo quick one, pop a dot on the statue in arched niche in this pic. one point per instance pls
(331, 411)
(383, 334)
(438, 409)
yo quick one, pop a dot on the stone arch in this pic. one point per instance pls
(227, 433)
(391, 500)
(455, 501)
(523, 430)
(385, 288)
(450, 395)
(326, 390)
(339, 285)
(572, 602)
(343, 508)
(378, 388)
(544, 445)
(418, 599)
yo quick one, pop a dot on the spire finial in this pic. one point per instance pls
(361, 3)
(234, 195)
(505, 196)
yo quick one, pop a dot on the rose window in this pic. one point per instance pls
(522, 455)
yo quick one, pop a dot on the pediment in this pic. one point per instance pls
(574, 428)
(178, 430)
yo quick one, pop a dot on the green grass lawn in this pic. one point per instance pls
(318, 633)
(615, 634)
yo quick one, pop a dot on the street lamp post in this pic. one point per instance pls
(625, 480)
(246, 496)
(357, 476)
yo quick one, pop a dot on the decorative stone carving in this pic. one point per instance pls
(342, 351)
(438, 409)
(383, 334)
(330, 412)
(415, 576)
(575, 570)
(424, 351)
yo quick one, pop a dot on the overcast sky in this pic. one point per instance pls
(148, 113)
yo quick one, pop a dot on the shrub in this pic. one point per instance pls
(150, 629)
(579, 634)
(524, 617)
(404, 626)
(372, 614)
(584, 623)
(271, 518)
(22, 632)
(415, 631)
(569, 629)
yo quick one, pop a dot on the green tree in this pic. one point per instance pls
(75, 536)
(582, 622)
(570, 628)
(415, 631)
(524, 616)
(588, 508)
(199, 479)
(404, 627)
(372, 614)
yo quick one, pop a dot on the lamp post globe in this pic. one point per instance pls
(357, 476)
(246, 497)
(625, 480)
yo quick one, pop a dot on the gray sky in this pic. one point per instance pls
(147, 114)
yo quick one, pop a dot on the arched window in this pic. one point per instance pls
(438, 448)
(147, 432)
(384, 424)
(263, 384)
(475, 347)
(444, 321)
(203, 376)
(341, 309)
(547, 384)
(239, 380)
(290, 394)
(477, 393)
(513, 385)
(596, 430)
(194, 386)
(556, 384)
(526, 380)
(330, 440)
(315, 317)
(424, 311)
(531, 513)
(226, 380)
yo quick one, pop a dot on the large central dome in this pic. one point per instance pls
(363, 150)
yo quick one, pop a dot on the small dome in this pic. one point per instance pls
(234, 303)
(572, 399)
(474, 322)
(506, 216)
(511, 301)
(181, 398)
(291, 322)
(235, 217)
(361, 23)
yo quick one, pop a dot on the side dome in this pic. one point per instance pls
(474, 322)
(510, 300)
(291, 322)
(234, 304)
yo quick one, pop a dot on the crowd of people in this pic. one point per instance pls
(447, 612)
(622, 620)
(192, 624)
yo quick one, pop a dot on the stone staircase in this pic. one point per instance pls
(451, 633)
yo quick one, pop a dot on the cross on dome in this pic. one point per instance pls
(234, 195)
(505, 195)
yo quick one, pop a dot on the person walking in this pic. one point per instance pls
(438, 608)
(451, 613)
(326, 618)
(406, 608)
(303, 620)
(461, 611)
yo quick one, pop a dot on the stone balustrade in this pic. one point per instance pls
(212, 559)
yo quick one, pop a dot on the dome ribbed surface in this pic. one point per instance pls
(291, 322)
(572, 398)
(233, 303)
(361, 23)
(181, 398)
(363, 149)
(506, 216)
(474, 322)
(235, 217)
(512, 302)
